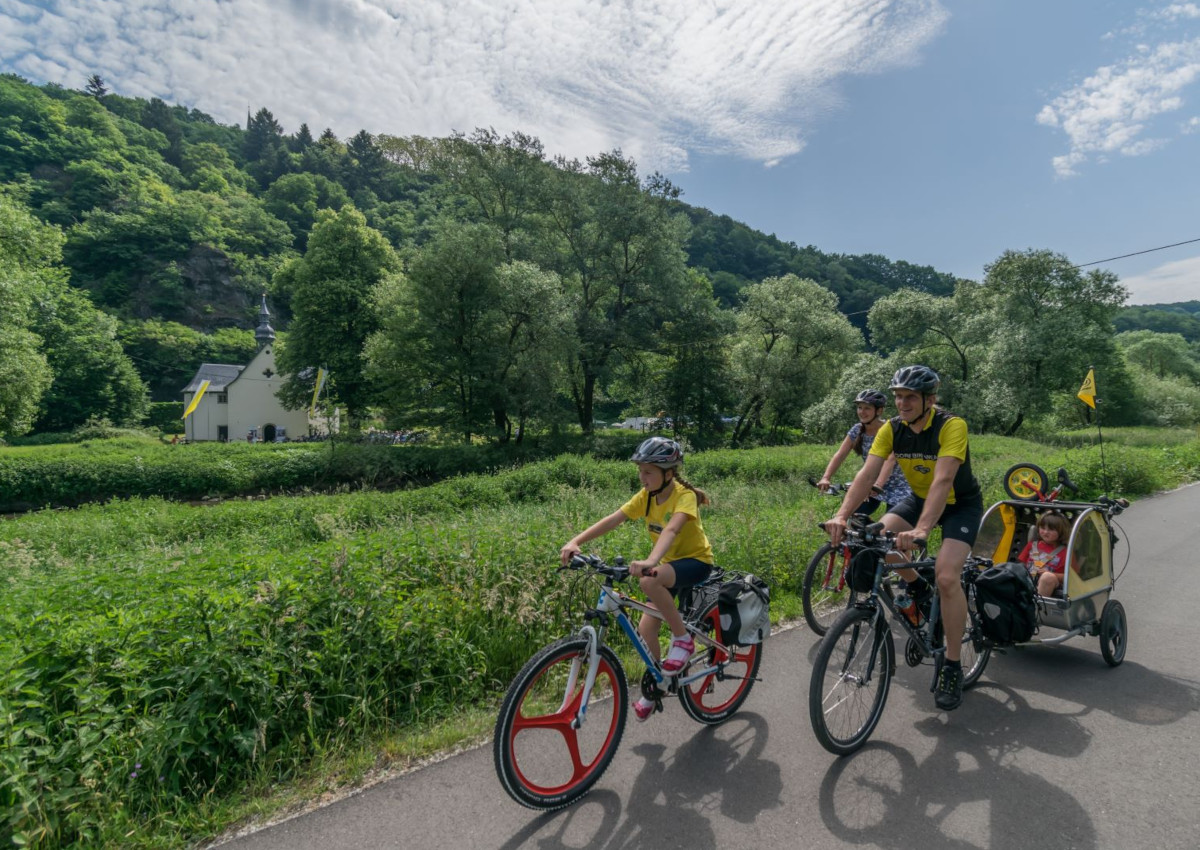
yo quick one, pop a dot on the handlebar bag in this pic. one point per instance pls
(1007, 603)
(744, 607)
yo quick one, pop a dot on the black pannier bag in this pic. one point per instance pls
(744, 607)
(863, 567)
(1007, 603)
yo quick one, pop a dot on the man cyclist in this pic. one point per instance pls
(931, 449)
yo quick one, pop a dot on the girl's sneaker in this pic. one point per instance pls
(679, 654)
(643, 709)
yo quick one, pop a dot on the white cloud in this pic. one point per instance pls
(1110, 112)
(1181, 10)
(658, 79)
(1167, 284)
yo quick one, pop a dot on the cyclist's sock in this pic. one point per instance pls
(918, 586)
(957, 663)
(681, 650)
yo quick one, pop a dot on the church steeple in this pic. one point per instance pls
(264, 334)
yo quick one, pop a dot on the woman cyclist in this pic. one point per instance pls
(890, 486)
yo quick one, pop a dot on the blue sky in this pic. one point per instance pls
(942, 133)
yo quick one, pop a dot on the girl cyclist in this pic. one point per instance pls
(889, 486)
(680, 555)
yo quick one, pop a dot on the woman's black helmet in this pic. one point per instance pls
(660, 451)
(874, 397)
(919, 379)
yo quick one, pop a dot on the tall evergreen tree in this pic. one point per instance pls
(95, 87)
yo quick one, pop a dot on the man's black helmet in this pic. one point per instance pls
(874, 397)
(663, 453)
(919, 379)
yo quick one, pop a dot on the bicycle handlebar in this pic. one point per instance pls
(617, 571)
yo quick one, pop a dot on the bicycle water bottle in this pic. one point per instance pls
(909, 608)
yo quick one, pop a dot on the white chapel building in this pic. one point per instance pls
(240, 402)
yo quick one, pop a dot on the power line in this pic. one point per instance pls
(1137, 253)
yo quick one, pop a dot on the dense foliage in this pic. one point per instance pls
(476, 286)
(174, 224)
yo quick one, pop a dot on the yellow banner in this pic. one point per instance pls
(321, 374)
(1087, 393)
(196, 399)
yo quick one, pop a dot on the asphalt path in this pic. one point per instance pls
(1052, 749)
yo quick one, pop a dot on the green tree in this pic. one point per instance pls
(29, 254)
(333, 315)
(95, 87)
(296, 198)
(1050, 322)
(688, 376)
(503, 179)
(791, 344)
(1161, 354)
(942, 332)
(620, 257)
(470, 340)
(93, 377)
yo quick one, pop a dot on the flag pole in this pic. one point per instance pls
(1087, 394)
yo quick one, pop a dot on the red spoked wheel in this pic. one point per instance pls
(825, 580)
(715, 697)
(549, 748)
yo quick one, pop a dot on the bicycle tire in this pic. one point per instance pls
(713, 700)
(1024, 481)
(532, 770)
(1114, 633)
(828, 566)
(976, 649)
(841, 718)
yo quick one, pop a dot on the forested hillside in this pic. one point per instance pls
(470, 283)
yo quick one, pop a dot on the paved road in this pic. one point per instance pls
(1052, 749)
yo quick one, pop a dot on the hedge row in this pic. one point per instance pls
(68, 476)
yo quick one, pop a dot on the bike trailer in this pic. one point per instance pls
(1088, 578)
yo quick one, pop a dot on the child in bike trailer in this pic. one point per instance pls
(680, 556)
(1046, 557)
(890, 487)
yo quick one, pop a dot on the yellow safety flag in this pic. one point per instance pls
(196, 399)
(321, 375)
(1087, 393)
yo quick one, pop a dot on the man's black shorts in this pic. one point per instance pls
(959, 521)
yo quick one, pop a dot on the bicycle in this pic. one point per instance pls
(1027, 481)
(827, 571)
(853, 670)
(564, 713)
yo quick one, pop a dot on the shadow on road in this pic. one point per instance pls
(968, 793)
(1129, 692)
(719, 770)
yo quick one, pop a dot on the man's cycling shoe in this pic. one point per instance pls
(949, 695)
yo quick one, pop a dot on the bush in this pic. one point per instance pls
(166, 416)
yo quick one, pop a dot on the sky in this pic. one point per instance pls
(941, 133)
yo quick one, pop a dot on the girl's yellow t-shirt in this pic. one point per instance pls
(691, 541)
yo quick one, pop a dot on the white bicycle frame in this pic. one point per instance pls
(613, 602)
